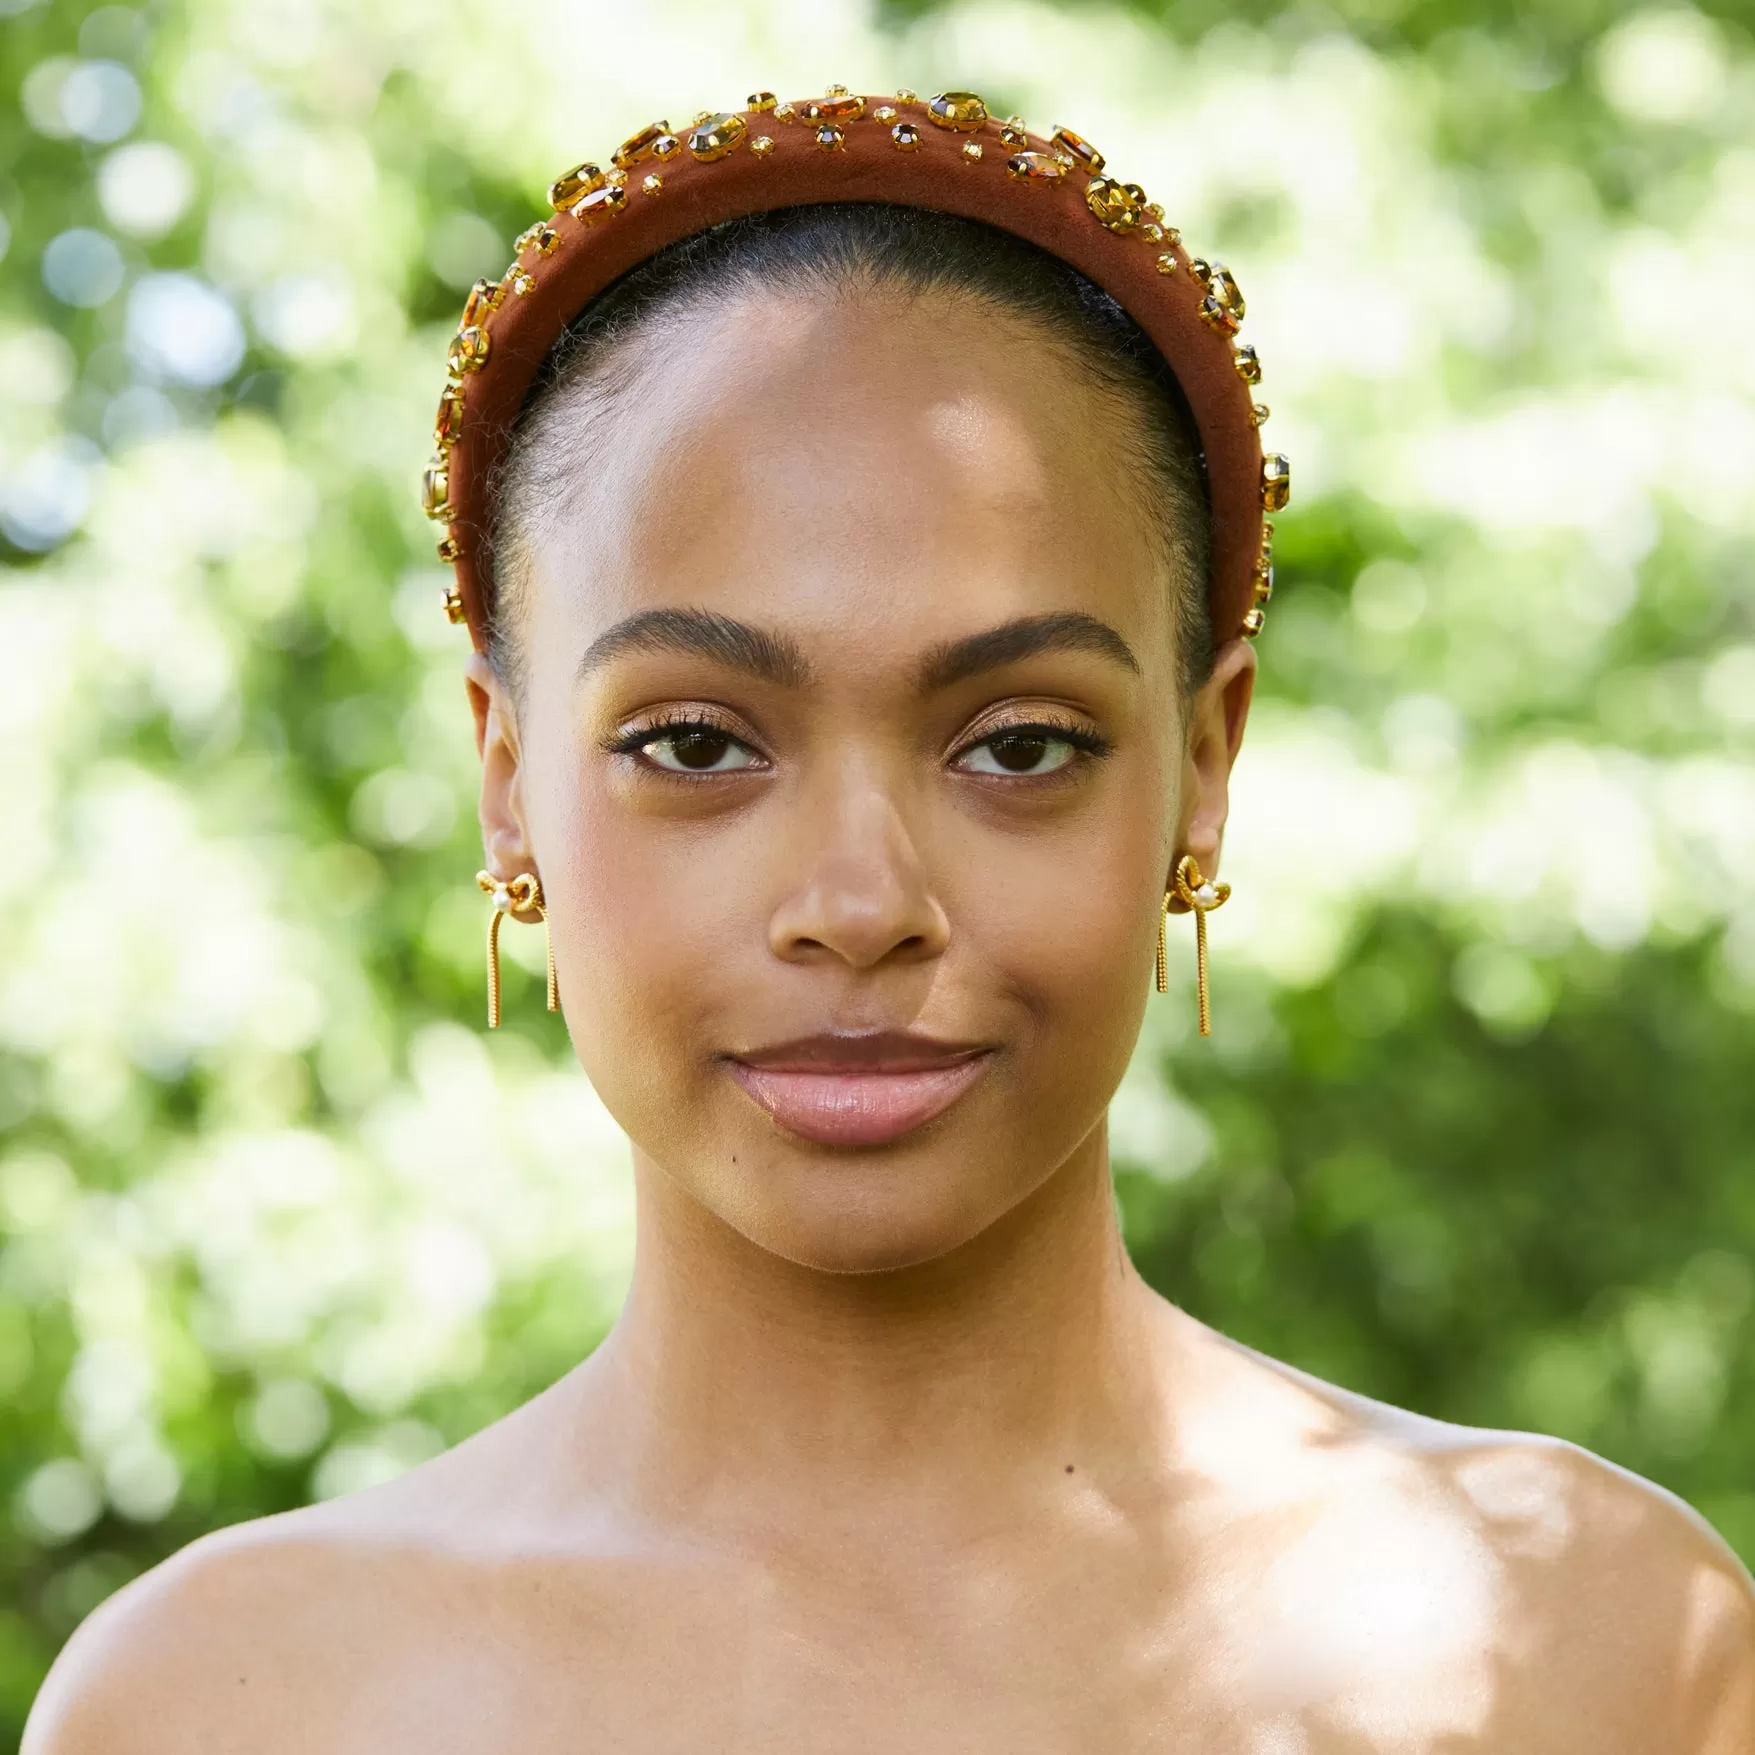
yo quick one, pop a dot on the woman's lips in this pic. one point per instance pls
(858, 1090)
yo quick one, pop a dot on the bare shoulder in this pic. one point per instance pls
(249, 1638)
(1558, 1600)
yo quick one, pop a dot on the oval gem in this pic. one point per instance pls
(435, 488)
(573, 186)
(450, 418)
(602, 203)
(1077, 148)
(639, 146)
(484, 296)
(468, 351)
(1035, 167)
(1276, 482)
(1223, 286)
(961, 111)
(842, 106)
(717, 137)
(1248, 363)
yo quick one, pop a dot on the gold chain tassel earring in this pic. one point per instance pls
(1191, 894)
(517, 895)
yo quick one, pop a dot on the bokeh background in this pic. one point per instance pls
(1476, 1132)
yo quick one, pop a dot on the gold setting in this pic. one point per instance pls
(906, 136)
(830, 138)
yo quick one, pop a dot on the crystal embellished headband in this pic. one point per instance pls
(945, 153)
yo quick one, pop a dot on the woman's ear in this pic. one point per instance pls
(503, 834)
(1215, 734)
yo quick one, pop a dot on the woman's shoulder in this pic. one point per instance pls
(247, 1636)
(1552, 1587)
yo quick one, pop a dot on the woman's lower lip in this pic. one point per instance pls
(848, 1107)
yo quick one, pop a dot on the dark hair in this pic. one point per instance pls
(837, 248)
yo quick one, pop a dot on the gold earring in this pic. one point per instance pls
(1190, 893)
(516, 895)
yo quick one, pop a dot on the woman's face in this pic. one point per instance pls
(851, 758)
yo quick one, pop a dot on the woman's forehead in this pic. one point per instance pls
(816, 452)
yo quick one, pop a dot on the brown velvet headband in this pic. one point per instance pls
(946, 153)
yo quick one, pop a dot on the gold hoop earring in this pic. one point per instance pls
(1190, 893)
(515, 895)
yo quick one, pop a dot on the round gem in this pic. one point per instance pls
(762, 145)
(718, 136)
(830, 138)
(502, 898)
(1116, 205)
(761, 102)
(972, 151)
(785, 113)
(654, 184)
(1259, 413)
(1248, 363)
(961, 111)
(666, 146)
(885, 113)
(1206, 895)
(1166, 263)
(469, 350)
(1253, 623)
(435, 489)
(454, 610)
(905, 96)
(906, 136)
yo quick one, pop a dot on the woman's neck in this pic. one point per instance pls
(734, 1376)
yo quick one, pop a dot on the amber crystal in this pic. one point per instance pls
(718, 136)
(906, 136)
(1248, 364)
(1035, 167)
(838, 106)
(484, 296)
(541, 237)
(639, 146)
(962, 111)
(760, 102)
(1215, 315)
(1253, 623)
(1276, 482)
(603, 203)
(1223, 286)
(435, 487)
(1078, 149)
(830, 138)
(573, 186)
(1117, 205)
(449, 422)
(469, 350)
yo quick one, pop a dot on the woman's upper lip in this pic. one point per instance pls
(863, 1051)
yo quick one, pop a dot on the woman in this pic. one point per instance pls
(857, 511)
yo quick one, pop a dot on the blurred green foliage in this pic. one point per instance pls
(1477, 1131)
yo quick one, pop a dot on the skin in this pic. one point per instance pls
(891, 1448)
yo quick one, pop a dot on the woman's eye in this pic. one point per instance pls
(697, 750)
(1027, 751)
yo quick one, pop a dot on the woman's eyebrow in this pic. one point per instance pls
(1066, 630)
(771, 656)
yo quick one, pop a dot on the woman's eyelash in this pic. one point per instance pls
(636, 737)
(1090, 742)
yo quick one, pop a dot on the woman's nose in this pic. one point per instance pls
(863, 894)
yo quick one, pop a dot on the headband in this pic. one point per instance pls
(947, 154)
